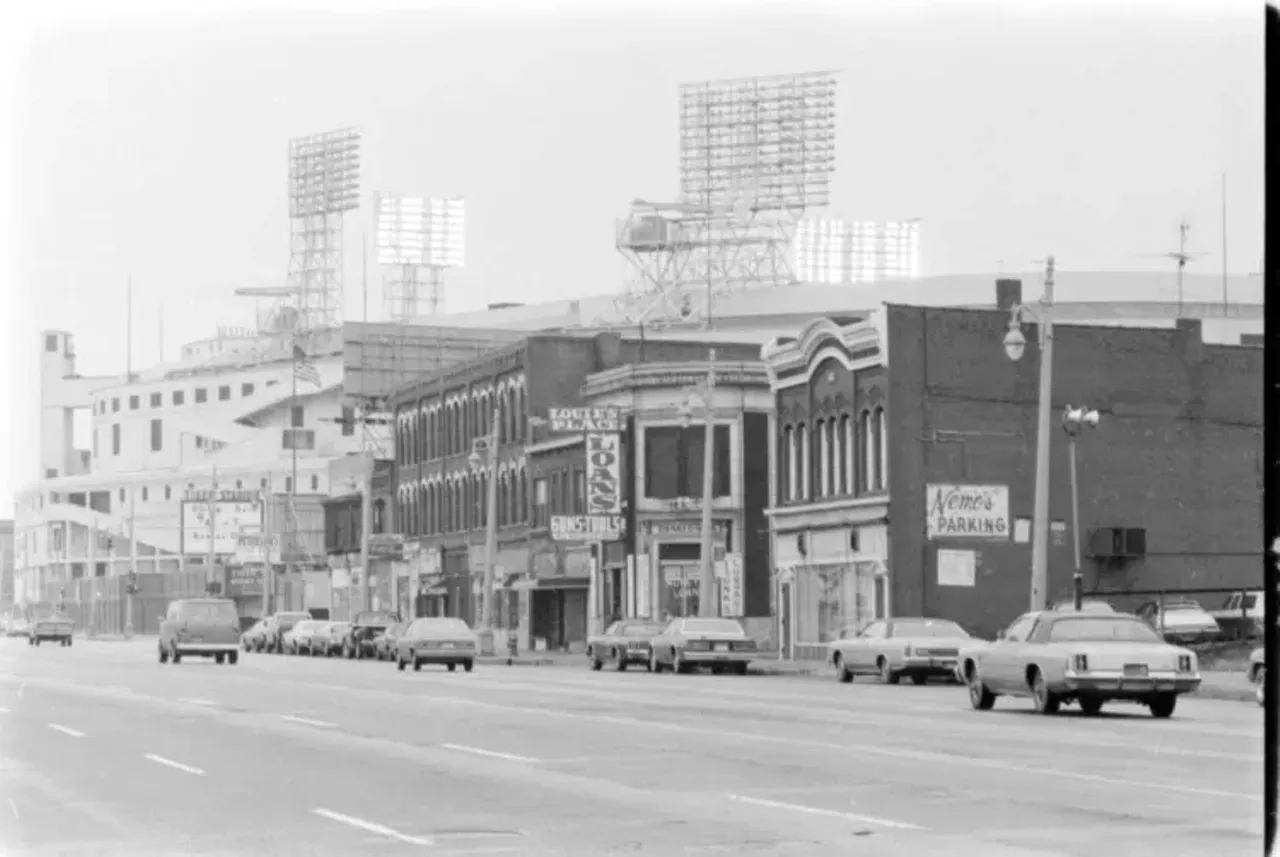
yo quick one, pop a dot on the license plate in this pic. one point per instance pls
(1135, 669)
(722, 647)
(446, 645)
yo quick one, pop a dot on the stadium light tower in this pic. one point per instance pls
(324, 184)
(417, 239)
(840, 252)
(755, 154)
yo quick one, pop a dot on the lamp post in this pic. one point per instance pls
(1074, 421)
(705, 392)
(1015, 344)
(484, 452)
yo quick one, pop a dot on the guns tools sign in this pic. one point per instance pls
(604, 473)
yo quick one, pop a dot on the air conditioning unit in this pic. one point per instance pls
(1118, 543)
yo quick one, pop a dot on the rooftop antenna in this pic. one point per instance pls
(1182, 257)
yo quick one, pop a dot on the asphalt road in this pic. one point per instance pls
(105, 751)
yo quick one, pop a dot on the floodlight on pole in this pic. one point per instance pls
(843, 252)
(417, 238)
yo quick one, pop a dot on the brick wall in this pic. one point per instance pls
(1178, 453)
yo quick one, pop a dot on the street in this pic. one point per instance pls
(105, 751)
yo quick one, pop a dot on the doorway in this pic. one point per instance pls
(784, 620)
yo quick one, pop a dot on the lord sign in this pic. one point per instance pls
(967, 512)
(604, 474)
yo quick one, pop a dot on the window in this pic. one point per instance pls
(541, 515)
(115, 405)
(121, 495)
(157, 435)
(846, 455)
(133, 403)
(115, 439)
(224, 393)
(882, 451)
(246, 389)
(673, 461)
(578, 496)
(202, 395)
(178, 397)
(348, 421)
(155, 400)
(288, 485)
(168, 493)
(295, 416)
(1020, 628)
(51, 342)
(144, 493)
(315, 482)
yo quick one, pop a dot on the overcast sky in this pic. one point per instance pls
(157, 149)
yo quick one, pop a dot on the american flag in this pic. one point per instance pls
(303, 368)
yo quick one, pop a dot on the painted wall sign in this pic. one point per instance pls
(584, 419)
(604, 473)
(967, 512)
(731, 587)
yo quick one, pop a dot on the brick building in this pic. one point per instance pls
(878, 419)
(343, 522)
(439, 492)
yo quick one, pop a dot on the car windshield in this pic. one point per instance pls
(641, 630)
(712, 626)
(442, 626)
(209, 610)
(1183, 605)
(1101, 629)
(927, 628)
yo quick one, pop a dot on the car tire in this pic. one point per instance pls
(1162, 705)
(174, 655)
(919, 680)
(887, 675)
(233, 658)
(417, 666)
(219, 659)
(980, 697)
(1260, 679)
(164, 655)
(451, 667)
(844, 675)
(655, 665)
(1090, 706)
(596, 663)
(400, 664)
(468, 666)
(619, 660)
(740, 669)
(678, 666)
(1046, 701)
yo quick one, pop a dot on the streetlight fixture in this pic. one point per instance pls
(484, 452)
(1074, 421)
(1015, 345)
(705, 393)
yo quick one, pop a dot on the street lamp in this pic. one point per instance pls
(1074, 421)
(1015, 345)
(484, 452)
(705, 393)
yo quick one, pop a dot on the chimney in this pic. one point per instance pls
(1008, 293)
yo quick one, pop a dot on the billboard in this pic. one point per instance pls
(225, 520)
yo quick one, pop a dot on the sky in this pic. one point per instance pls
(152, 149)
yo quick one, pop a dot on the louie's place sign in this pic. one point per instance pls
(967, 512)
(583, 419)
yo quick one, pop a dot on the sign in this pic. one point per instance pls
(604, 473)
(230, 520)
(584, 419)
(253, 546)
(587, 528)
(719, 529)
(205, 496)
(386, 546)
(731, 586)
(246, 580)
(957, 568)
(967, 512)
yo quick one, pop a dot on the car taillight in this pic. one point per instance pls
(748, 645)
(1080, 663)
(1184, 663)
(908, 651)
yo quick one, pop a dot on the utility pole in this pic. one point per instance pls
(489, 458)
(707, 574)
(133, 567)
(212, 559)
(91, 557)
(366, 526)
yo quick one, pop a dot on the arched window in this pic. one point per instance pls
(802, 471)
(503, 490)
(882, 451)
(866, 453)
(522, 495)
(786, 463)
(829, 477)
(379, 516)
(823, 457)
(522, 418)
(502, 416)
(511, 414)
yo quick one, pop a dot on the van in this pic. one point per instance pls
(204, 627)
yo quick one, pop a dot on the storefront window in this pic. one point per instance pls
(833, 598)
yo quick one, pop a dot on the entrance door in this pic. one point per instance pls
(784, 620)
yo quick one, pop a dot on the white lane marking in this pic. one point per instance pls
(4, 711)
(493, 754)
(307, 721)
(178, 766)
(65, 730)
(190, 701)
(831, 813)
(14, 808)
(371, 827)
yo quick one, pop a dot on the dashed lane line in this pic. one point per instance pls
(204, 702)
(66, 730)
(177, 766)
(830, 813)
(307, 721)
(492, 754)
(371, 827)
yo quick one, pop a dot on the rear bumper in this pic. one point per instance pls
(206, 648)
(444, 657)
(929, 666)
(1116, 685)
(717, 657)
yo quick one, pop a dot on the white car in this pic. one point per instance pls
(914, 648)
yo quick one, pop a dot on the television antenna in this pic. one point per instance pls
(1181, 256)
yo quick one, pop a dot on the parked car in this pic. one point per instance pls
(686, 644)
(16, 626)
(915, 648)
(624, 642)
(254, 639)
(328, 642)
(437, 641)
(1242, 615)
(1180, 620)
(366, 627)
(55, 627)
(278, 626)
(384, 644)
(297, 640)
(1086, 658)
(205, 627)
(1258, 673)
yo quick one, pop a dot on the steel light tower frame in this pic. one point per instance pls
(417, 239)
(755, 154)
(324, 184)
(842, 252)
